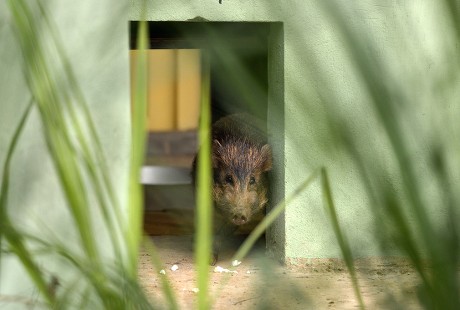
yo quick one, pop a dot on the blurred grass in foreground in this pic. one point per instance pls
(82, 172)
(425, 149)
(432, 249)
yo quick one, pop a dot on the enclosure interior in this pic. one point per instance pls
(238, 58)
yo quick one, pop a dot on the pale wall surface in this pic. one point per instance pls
(321, 90)
(315, 69)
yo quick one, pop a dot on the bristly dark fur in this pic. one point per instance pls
(238, 132)
(239, 127)
(240, 156)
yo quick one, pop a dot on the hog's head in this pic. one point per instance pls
(240, 178)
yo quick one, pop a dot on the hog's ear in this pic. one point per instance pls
(216, 146)
(266, 153)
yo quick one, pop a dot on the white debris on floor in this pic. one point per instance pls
(220, 269)
(174, 267)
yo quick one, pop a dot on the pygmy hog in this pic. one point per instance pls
(241, 159)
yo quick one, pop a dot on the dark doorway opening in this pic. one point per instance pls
(238, 54)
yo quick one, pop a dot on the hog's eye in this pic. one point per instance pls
(252, 180)
(229, 179)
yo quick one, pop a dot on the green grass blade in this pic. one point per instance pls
(385, 99)
(95, 161)
(343, 243)
(249, 242)
(44, 88)
(167, 290)
(12, 236)
(203, 195)
(77, 156)
(388, 98)
(270, 218)
(139, 114)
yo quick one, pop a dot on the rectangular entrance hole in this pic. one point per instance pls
(238, 53)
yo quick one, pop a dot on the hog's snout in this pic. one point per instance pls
(239, 219)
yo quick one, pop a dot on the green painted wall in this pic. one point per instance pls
(315, 87)
(311, 78)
